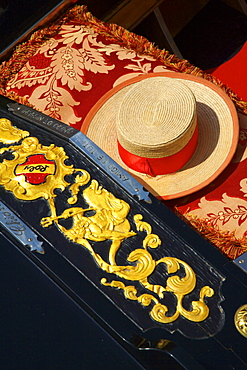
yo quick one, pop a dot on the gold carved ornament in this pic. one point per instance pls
(37, 170)
(240, 320)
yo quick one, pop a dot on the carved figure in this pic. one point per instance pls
(35, 171)
(108, 222)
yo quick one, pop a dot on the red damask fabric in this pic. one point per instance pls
(219, 210)
(63, 72)
(72, 70)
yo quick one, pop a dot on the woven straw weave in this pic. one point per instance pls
(156, 118)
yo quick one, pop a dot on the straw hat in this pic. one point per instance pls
(174, 132)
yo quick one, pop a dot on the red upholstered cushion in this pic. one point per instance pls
(63, 71)
(72, 70)
(222, 206)
(234, 73)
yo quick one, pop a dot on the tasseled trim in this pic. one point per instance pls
(26, 50)
(113, 33)
(225, 241)
(19, 99)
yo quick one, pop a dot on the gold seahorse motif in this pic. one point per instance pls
(35, 171)
(109, 222)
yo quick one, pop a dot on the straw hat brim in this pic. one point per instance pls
(218, 135)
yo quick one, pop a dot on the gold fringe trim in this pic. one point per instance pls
(116, 34)
(19, 99)
(225, 241)
(141, 45)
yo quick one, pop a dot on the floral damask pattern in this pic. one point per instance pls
(72, 70)
(229, 214)
(60, 76)
(225, 206)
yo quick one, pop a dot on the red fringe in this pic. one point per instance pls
(225, 241)
(26, 50)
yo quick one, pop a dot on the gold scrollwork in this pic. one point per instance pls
(9, 133)
(109, 222)
(36, 171)
(179, 287)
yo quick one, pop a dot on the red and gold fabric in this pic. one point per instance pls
(64, 69)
